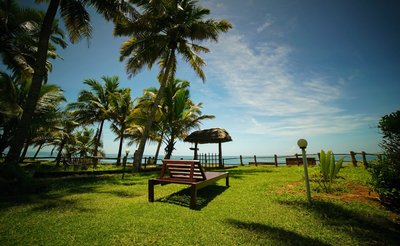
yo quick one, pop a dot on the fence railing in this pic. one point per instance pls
(211, 160)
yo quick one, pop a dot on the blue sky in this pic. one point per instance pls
(322, 70)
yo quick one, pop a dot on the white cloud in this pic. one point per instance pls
(260, 83)
(264, 26)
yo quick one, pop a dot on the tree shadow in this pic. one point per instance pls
(280, 235)
(365, 227)
(204, 196)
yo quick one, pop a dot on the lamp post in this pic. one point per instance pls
(124, 162)
(302, 143)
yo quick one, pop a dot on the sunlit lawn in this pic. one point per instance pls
(263, 206)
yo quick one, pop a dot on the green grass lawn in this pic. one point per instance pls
(263, 206)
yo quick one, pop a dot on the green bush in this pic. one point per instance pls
(329, 170)
(385, 174)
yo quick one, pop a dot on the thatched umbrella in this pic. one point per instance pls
(213, 135)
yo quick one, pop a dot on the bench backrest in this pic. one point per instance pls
(182, 169)
(299, 161)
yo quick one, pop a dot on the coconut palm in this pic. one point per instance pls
(77, 22)
(19, 36)
(180, 113)
(13, 94)
(121, 107)
(64, 135)
(164, 29)
(93, 106)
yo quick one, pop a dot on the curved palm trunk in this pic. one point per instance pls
(37, 151)
(96, 147)
(22, 157)
(158, 148)
(121, 140)
(58, 158)
(34, 90)
(170, 148)
(139, 153)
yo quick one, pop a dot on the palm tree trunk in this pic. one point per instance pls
(139, 153)
(158, 148)
(34, 90)
(22, 157)
(37, 151)
(58, 158)
(170, 147)
(96, 147)
(121, 140)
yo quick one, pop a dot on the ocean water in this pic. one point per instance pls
(228, 160)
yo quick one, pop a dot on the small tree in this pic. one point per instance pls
(329, 170)
(385, 174)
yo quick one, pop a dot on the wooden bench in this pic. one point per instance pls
(187, 172)
(299, 161)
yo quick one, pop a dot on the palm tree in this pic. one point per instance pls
(47, 112)
(13, 94)
(64, 135)
(121, 107)
(164, 29)
(19, 36)
(77, 22)
(180, 113)
(93, 106)
(85, 142)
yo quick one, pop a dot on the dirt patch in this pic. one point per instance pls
(354, 192)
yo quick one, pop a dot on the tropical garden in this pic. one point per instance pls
(263, 206)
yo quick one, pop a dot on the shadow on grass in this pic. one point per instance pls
(281, 236)
(40, 191)
(204, 196)
(366, 228)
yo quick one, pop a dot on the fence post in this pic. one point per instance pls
(364, 159)
(353, 158)
(241, 160)
(255, 160)
(276, 160)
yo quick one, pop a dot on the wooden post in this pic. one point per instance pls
(196, 157)
(353, 158)
(221, 164)
(297, 159)
(241, 160)
(364, 159)
(276, 160)
(255, 160)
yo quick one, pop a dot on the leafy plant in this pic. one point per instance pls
(385, 174)
(329, 170)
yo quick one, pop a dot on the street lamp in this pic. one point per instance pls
(302, 143)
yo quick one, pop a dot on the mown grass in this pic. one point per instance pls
(263, 206)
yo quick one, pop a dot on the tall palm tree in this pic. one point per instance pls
(93, 106)
(164, 29)
(19, 36)
(77, 22)
(180, 113)
(121, 108)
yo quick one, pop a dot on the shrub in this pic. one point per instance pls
(329, 170)
(385, 173)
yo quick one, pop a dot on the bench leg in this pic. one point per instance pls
(151, 190)
(193, 197)
(227, 180)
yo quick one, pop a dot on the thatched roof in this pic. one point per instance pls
(213, 135)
